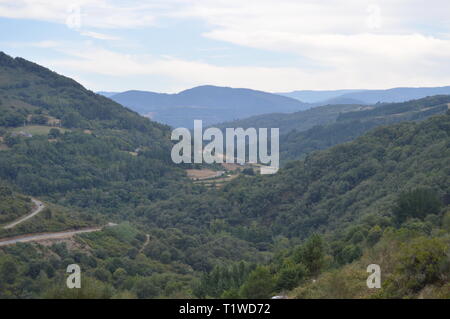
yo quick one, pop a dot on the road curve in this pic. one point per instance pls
(45, 236)
(39, 208)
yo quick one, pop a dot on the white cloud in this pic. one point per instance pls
(351, 43)
(99, 36)
(341, 44)
(94, 13)
(89, 59)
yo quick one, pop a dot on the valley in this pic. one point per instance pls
(359, 184)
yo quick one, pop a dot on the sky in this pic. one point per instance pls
(270, 45)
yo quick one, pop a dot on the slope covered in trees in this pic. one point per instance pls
(28, 89)
(382, 199)
(348, 194)
(96, 153)
(352, 124)
(256, 236)
(11, 205)
(325, 126)
(298, 121)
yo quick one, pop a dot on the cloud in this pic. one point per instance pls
(339, 44)
(92, 13)
(99, 36)
(353, 43)
(88, 59)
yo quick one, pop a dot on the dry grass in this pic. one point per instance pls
(231, 166)
(37, 129)
(197, 174)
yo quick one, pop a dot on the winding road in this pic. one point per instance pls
(39, 208)
(45, 236)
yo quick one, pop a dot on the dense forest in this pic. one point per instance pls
(325, 126)
(308, 231)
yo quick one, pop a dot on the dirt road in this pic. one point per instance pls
(39, 207)
(45, 236)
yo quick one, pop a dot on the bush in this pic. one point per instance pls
(54, 133)
(423, 262)
(374, 235)
(290, 276)
(248, 171)
(8, 271)
(312, 255)
(259, 285)
(145, 288)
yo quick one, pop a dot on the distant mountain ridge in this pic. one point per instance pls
(107, 94)
(394, 95)
(316, 96)
(212, 104)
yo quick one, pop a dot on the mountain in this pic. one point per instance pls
(342, 100)
(211, 104)
(59, 138)
(107, 94)
(389, 187)
(311, 96)
(352, 124)
(394, 95)
(299, 121)
(29, 91)
(93, 163)
(324, 126)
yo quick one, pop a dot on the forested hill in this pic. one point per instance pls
(328, 114)
(325, 126)
(299, 121)
(60, 140)
(28, 89)
(93, 161)
(346, 194)
(331, 188)
(354, 123)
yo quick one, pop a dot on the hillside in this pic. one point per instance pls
(93, 162)
(62, 141)
(382, 199)
(324, 126)
(345, 194)
(12, 205)
(299, 121)
(333, 187)
(211, 104)
(352, 124)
